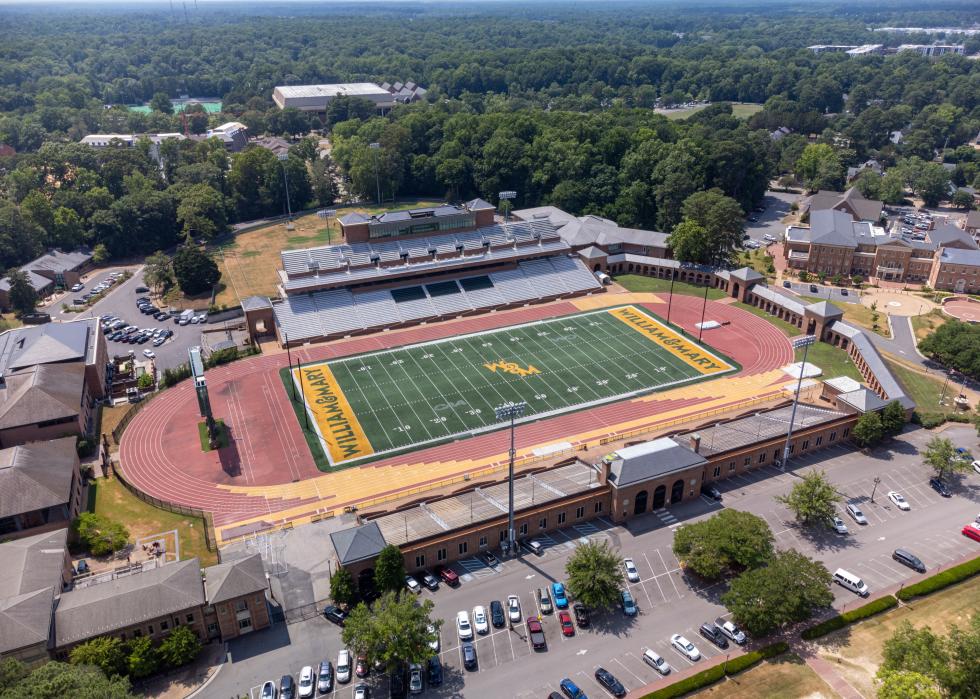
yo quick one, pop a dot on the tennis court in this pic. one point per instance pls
(381, 403)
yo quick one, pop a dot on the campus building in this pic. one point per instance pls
(40, 487)
(51, 271)
(933, 50)
(316, 98)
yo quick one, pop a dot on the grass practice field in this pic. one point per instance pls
(381, 403)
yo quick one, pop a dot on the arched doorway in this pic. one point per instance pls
(365, 580)
(597, 267)
(677, 492)
(659, 497)
(640, 503)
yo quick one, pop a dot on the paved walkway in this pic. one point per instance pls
(826, 671)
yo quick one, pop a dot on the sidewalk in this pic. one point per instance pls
(187, 681)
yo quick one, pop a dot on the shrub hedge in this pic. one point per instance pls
(842, 620)
(940, 580)
(713, 674)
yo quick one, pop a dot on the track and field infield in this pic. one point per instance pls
(383, 403)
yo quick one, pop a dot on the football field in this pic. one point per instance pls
(377, 404)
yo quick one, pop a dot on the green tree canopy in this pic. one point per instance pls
(392, 630)
(54, 680)
(940, 455)
(389, 570)
(100, 534)
(23, 297)
(788, 590)
(179, 647)
(342, 588)
(194, 270)
(160, 102)
(819, 167)
(868, 431)
(906, 684)
(893, 418)
(956, 345)
(595, 575)
(690, 242)
(812, 500)
(141, 659)
(729, 540)
(107, 653)
(158, 272)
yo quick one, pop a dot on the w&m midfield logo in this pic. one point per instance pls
(512, 368)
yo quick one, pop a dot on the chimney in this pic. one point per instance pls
(696, 443)
(603, 467)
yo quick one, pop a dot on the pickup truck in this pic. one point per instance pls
(729, 629)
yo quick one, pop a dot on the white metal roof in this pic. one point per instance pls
(349, 89)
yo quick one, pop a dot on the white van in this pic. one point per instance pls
(343, 666)
(851, 582)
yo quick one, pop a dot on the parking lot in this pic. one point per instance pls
(831, 293)
(770, 221)
(669, 600)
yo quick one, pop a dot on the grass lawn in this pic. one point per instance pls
(758, 259)
(9, 321)
(858, 648)
(924, 389)
(249, 262)
(928, 323)
(641, 284)
(788, 328)
(832, 360)
(784, 677)
(113, 500)
(111, 415)
(219, 428)
(741, 111)
(857, 314)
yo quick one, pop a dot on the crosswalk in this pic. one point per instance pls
(664, 515)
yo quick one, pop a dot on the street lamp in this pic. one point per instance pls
(805, 343)
(283, 157)
(376, 147)
(510, 411)
(507, 195)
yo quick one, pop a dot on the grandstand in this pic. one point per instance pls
(338, 290)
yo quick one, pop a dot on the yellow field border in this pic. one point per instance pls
(688, 352)
(339, 429)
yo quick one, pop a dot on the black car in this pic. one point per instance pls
(435, 671)
(907, 558)
(162, 315)
(142, 290)
(489, 559)
(287, 688)
(713, 634)
(396, 682)
(335, 614)
(711, 490)
(469, 656)
(610, 683)
(940, 487)
(430, 581)
(581, 615)
(497, 614)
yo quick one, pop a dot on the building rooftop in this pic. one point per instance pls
(824, 309)
(650, 460)
(40, 393)
(864, 209)
(863, 400)
(53, 262)
(235, 579)
(124, 601)
(889, 385)
(50, 343)
(36, 475)
(358, 543)
(30, 575)
(485, 503)
(957, 256)
(330, 90)
(948, 233)
(551, 213)
(595, 230)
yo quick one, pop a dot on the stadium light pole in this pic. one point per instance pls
(327, 214)
(805, 343)
(510, 411)
(704, 309)
(376, 147)
(302, 392)
(289, 358)
(283, 157)
(670, 295)
(506, 196)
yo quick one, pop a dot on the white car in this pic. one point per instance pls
(656, 662)
(685, 647)
(480, 619)
(976, 466)
(307, 682)
(514, 608)
(343, 666)
(268, 690)
(463, 628)
(78, 287)
(434, 645)
(838, 525)
(632, 574)
(149, 353)
(900, 502)
(361, 691)
(410, 582)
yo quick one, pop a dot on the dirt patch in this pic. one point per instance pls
(786, 677)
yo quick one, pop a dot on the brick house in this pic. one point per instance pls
(236, 597)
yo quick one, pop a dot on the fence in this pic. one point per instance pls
(130, 414)
(209, 537)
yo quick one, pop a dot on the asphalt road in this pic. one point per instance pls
(771, 220)
(669, 601)
(831, 293)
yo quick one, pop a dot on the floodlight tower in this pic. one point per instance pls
(511, 411)
(805, 343)
(201, 387)
(327, 214)
(507, 196)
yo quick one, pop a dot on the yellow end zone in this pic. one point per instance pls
(688, 352)
(338, 426)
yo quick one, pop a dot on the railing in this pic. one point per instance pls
(130, 414)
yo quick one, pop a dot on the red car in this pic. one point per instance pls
(448, 576)
(361, 669)
(567, 627)
(972, 531)
(536, 633)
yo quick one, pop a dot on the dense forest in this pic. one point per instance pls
(554, 101)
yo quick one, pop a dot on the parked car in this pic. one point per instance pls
(324, 677)
(685, 647)
(837, 524)
(855, 512)
(497, 614)
(729, 629)
(609, 682)
(535, 547)
(655, 661)
(558, 592)
(362, 691)
(396, 682)
(627, 603)
(972, 531)
(469, 656)
(632, 574)
(415, 685)
(581, 615)
(536, 633)
(480, 619)
(900, 502)
(268, 690)
(434, 671)
(307, 682)
(362, 668)
(787, 284)
(567, 627)
(489, 559)
(907, 558)
(287, 687)
(463, 628)
(77, 287)
(813, 288)
(544, 601)
(448, 576)
(335, 614)
(711, 490)
(410, 582)
(571, 690)
(142, 290)
(713, 634)
(514, 608)
(843, 292)
(430, 581)
(150, 354)
(940, 487)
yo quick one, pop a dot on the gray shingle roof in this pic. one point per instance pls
(36, 475)
(106, 607)
(46, 344)
(358, 543)
(948, 233)
(552, 213)
(973, 219)
(957, 256)
(230, 580)
(644, 462)
(865, 209)
(746, 274)
(478, 204)
(863, 399)
(889, 384)
(824, 309)
(595, 230)
(39, 393)
(254, 303)
(591, 253)
(32, 562)
(25, 620)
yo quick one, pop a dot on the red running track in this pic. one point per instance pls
(160, 450)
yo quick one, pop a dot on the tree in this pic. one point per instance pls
(950, 662)
(941, 455)
(145, 382)
(142, 660)
(23, 297)
(689, 242)
(906, 684)
(180, 647)
(892, 187)
(915, 650)
(157, 272)
(100, 253)
(868, 431)
(731, 539)
(160, 102)
(393, 630)
(956, 345)
(893, 418)
(788, 590)
(107, 653)
(932, 183)
(342, 589)
(195, 271)
(54, 680)
(723, 220)
(804, 276)
(101, 535)
(595, 576)
(389, 570)
(962, 199)
(819, 167)
(201, 212)
(812, 500)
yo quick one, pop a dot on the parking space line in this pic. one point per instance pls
(622, 665)
(676, 591)
(655, 577)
